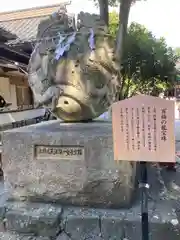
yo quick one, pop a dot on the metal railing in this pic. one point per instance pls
(26, 122)
(23, 123)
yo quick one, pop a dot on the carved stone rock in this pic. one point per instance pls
(75, 80)
(68, 163)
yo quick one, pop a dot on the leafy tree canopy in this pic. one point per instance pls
(148, 64)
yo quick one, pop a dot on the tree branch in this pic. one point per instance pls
(104, 11)
(124, 10)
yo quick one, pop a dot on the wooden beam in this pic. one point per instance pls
(1, 71)
(18, 81)
(13, 55)
(15, 77)
(8, 66)
(10, 49)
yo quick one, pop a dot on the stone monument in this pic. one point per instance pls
(67, 163)
(71, 73)
(57, 173)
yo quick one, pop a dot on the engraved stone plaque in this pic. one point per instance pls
(59, 152)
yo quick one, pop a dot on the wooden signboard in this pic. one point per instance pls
(143, 129)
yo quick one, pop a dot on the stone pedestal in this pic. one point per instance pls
(66, 163)
(51, 222)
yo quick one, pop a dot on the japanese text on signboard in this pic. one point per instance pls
(143, 129)
(140, 127)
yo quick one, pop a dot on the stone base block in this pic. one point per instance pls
(86, 223)
(11, 236)
(37, 219)
(106, 225)
(67, 163)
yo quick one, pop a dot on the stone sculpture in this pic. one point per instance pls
(70, 69)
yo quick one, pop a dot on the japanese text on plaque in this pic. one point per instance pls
(59, 152)
(139, 126)
(143, 129)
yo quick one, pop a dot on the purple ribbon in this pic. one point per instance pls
(91, 40)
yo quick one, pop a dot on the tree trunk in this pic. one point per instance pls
(104, 11)
(124, 10)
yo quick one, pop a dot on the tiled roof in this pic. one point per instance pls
(24, 23)
(6, 35)
(25, 29)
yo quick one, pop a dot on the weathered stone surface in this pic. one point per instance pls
(41, 238)
(82, 224)
(96, 180)
(112, 225)
(81, 82)
(163, 223)
(8, 236)
(11, 236)
(100, 224)
(122, 224)
(33, 218)
(63, 236)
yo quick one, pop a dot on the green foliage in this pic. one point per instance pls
(177, 51)
(114, 3)
(148, 64)
(114, 24)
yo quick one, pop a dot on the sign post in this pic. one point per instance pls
(143, 127)
(144, 201)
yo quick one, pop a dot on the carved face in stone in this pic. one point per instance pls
(74, 80)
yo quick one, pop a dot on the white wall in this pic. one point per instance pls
(13, 96)
(8, 92)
